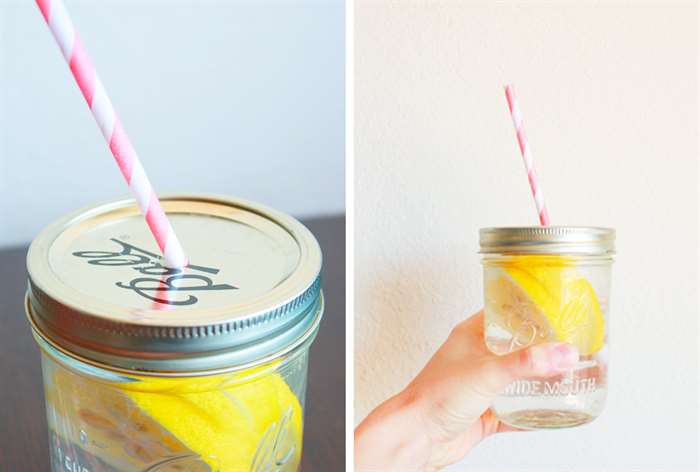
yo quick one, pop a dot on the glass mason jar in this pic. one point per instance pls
(149, 368)
(546, 284)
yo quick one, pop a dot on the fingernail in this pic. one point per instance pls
(563, 357)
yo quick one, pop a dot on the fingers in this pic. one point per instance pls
(542, 360)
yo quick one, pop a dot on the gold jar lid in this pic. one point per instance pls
(578, 240)
(98, 290)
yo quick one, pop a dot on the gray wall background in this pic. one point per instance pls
(244, 98)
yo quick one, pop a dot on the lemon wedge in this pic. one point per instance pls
(544, 298)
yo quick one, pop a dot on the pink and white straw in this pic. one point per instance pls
(66, 36)
(527, 156)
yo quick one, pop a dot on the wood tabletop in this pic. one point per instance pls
(23, 433)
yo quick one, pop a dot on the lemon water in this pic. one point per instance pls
(537, 299)
(247, 421)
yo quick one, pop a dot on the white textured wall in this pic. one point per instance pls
(241, 97)
(610, 100)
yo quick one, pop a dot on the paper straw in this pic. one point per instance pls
(71, 46)
(527, 157)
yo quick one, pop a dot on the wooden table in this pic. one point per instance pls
(23, 433)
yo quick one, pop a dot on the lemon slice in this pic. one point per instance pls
(104, 422)
(218, 423)
(543, 298)
(581, 322)
(246, 426)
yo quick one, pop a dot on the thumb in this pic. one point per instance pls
(542, 360)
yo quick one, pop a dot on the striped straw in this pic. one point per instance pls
(66, 36)
(527, 157)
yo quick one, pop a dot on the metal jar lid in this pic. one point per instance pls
(252, 292)
(578, 240)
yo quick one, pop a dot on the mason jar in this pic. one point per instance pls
(150, 368)
(547, 284)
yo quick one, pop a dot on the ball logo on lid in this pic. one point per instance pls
(158, 283)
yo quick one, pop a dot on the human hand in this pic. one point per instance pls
(444, 412)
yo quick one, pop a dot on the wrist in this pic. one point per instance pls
(393, 437)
